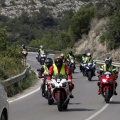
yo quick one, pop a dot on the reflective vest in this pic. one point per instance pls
(83, 58)
(109, 69)
(89, 60)
(71, 57)
(41, 51)
(62, 71)
(45, 69)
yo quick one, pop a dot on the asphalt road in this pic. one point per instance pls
(86, 104)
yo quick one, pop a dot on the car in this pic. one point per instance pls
(4, 105)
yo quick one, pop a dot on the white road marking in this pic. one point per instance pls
(98, 112)
(24, 95)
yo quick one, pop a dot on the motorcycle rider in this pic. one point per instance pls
(108, 67)
(70, 56)
(44, 71)
(60, 67)
(63, 57)
(90, 60)
(22, 51)
(41, 50)
(83, 59)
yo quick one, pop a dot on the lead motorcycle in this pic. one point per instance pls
(107, 85)
(58, 92)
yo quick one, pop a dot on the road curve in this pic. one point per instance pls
(86, 104)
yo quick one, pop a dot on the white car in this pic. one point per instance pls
(4, 105)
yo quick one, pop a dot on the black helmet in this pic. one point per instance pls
(58, 61)
(84, 53)
(49, 62)
(70, 52)
(107, 61)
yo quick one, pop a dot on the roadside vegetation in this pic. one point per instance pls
(11, 65)
(19, 87)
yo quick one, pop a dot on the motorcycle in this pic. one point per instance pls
(89, 70)
(107, 85)
(25, 53)
(58, 92)
(44, 84)
(82, 68)
(37, 57)
(72, 65)
(42, 58)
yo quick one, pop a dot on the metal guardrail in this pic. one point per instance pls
(17, 78)
(101, 62)
(47, 51)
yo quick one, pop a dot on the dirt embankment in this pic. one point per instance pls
(92, 42)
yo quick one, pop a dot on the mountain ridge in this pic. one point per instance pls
(14, 8)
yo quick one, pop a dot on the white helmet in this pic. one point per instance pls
(41, 47)
(88, 55)
(62, 55)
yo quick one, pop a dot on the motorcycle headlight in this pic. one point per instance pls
(44, 55)
(104, 80)
(87, 67)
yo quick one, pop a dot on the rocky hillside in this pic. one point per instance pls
(14, 8)
(92, 43)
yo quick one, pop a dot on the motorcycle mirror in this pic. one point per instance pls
(38, 69)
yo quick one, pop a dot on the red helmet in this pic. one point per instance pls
(58, 61)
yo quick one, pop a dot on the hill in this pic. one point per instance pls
(92, 42)
(13, 8)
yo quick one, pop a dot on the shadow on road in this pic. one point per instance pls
(94, 80)
(78, 109)
(74, 103)
(114, 102)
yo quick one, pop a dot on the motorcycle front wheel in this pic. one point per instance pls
(107, 95)
(66, 105)
(50, 100)
(59, 102)
(89, 75)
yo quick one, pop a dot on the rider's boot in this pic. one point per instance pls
(115, 93)
(71, 95)
(99, 88)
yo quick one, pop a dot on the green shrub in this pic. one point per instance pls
(22, 85)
